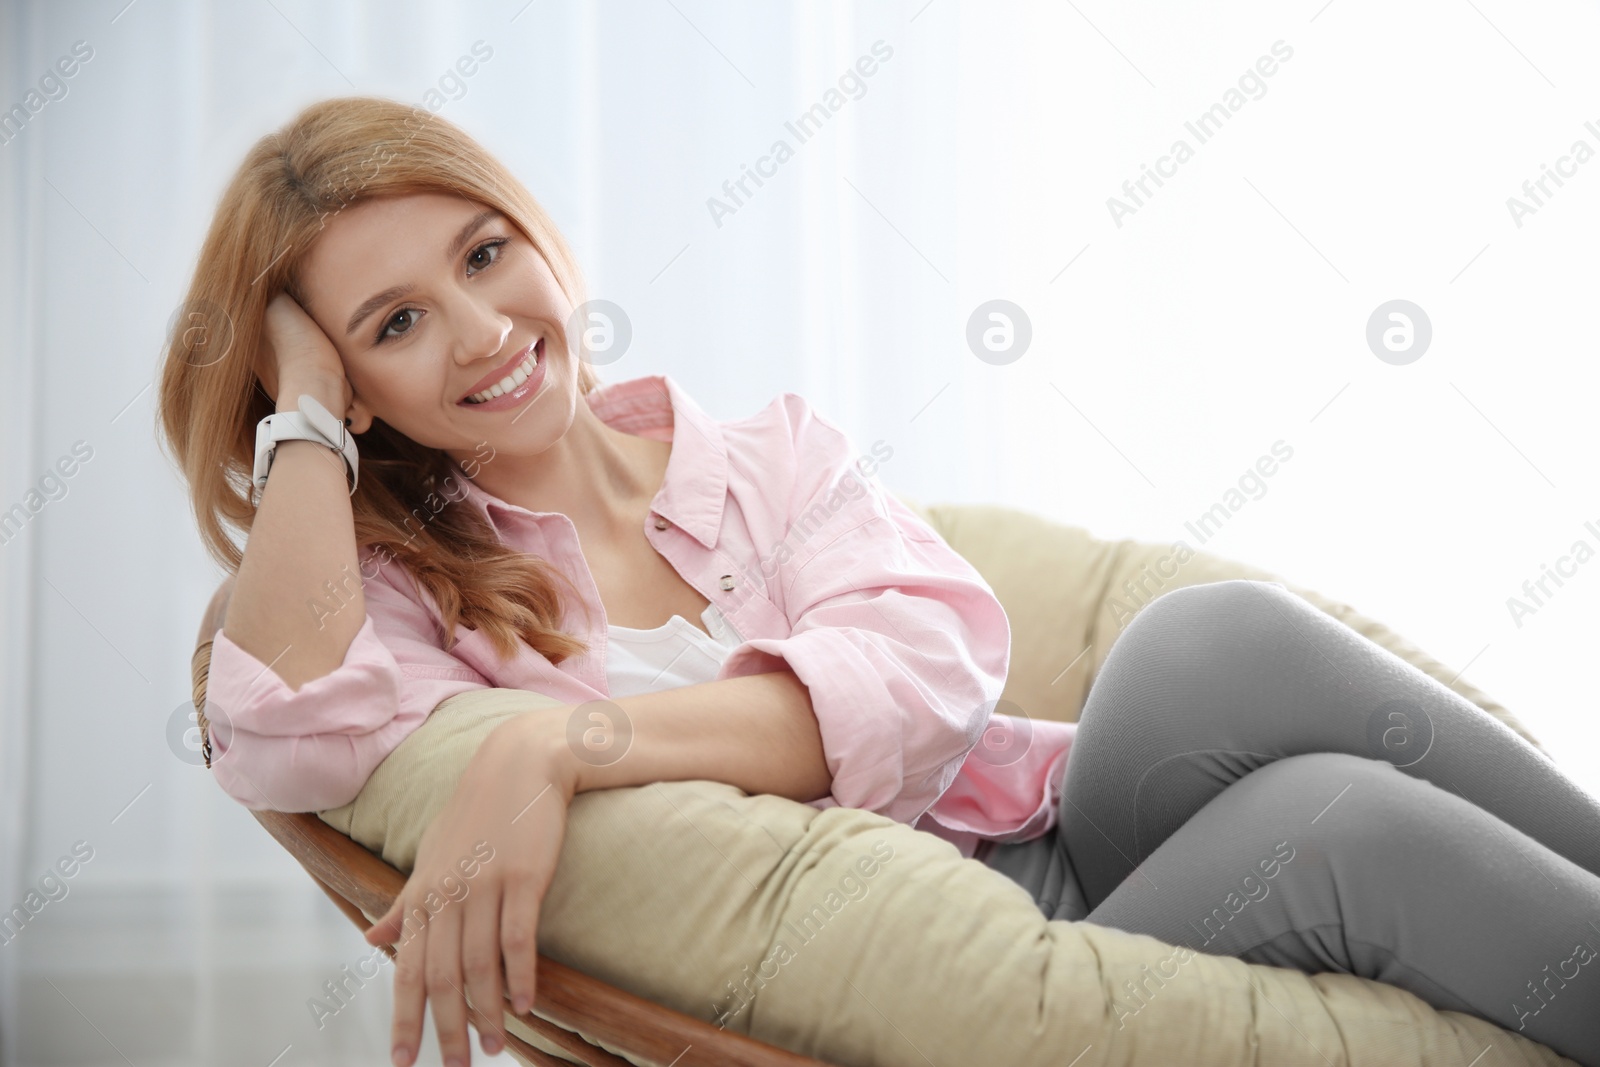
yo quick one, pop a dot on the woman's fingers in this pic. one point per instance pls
(480, 962)
(410, 993)
(386, 930)
(519, 919)
(442, 976)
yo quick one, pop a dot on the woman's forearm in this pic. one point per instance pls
(758, 732)
(303, 536)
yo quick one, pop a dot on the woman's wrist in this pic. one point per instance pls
(538, 740)
(328, 392)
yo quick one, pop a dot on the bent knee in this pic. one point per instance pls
(1232, 599)
(1342, 804)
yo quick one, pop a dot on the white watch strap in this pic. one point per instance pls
(312, 422)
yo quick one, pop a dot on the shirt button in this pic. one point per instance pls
(661, 524)
(727, 581)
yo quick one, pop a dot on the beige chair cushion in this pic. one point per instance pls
(1063, 591)
(864, 941)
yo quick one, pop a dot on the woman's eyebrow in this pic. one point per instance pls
(373, 303)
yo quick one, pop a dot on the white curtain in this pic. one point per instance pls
(1175, 340)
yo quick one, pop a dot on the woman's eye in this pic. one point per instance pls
(481, 256)
(401, 318)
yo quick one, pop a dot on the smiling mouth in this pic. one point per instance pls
(519, 374)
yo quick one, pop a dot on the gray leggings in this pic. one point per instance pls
(1253, 778)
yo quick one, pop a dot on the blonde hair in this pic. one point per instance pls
(332, 155)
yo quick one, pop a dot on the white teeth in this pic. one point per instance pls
(522, 373)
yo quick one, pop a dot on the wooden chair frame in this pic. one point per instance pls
(361, 883)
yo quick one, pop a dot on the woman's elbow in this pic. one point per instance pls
(290, 774)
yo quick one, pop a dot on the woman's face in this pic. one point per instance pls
(431, 299)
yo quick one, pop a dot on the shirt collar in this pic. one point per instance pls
(695, 487)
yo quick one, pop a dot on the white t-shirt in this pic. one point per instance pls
(674, 654)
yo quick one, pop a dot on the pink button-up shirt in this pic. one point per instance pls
(778, 520)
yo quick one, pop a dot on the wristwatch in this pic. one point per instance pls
(312, 422)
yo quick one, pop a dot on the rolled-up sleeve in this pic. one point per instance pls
(313, 749)
(902, 644)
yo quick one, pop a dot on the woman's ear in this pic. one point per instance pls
(358, 417)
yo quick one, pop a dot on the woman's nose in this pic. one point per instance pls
(481, 332)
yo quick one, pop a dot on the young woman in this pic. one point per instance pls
(445, 498)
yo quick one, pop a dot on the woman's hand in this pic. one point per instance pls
(505, 823)
(301, 354)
